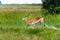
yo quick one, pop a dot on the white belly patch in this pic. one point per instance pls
(35, 22)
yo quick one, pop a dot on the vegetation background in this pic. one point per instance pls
(12, 27)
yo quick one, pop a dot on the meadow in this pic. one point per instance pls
(12, 27)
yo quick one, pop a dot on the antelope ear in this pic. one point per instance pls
(25, 16)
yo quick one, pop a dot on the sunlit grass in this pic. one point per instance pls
(12, 27)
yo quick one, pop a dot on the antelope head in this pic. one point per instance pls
(25, 18)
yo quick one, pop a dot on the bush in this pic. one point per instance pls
(57, 10)
(44, 12)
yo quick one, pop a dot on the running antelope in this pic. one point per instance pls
(33, 21)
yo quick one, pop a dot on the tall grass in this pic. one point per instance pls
(12, 27)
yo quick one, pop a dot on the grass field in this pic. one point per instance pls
(12, 27)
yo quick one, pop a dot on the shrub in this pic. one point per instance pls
(57, 10)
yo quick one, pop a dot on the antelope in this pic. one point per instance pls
(33, 21)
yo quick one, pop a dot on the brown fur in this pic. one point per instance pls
(30, 21)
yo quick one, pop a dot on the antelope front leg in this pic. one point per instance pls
(33, 24)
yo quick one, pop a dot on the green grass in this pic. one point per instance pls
(12, 27)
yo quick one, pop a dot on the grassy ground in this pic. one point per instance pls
(12, 27)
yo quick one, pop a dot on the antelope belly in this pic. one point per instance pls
(34, 22)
